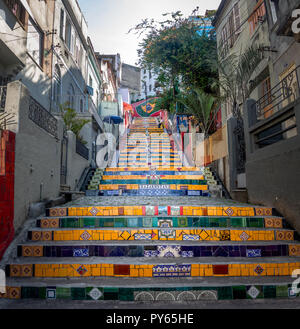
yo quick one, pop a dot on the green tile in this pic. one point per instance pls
(126, 294)
(120, 222)
(87, 291)
(282, 291)
(154, 222)
(175, 221)
(30, 292)
(42, 292)
(236, 222)
(239, 292)
(182, 222)
(89, 222)
(147, 222)
(269, 291)
(224, 293)
(63, 293)
(259, 288)
(78, 293)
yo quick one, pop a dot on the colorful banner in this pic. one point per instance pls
(146, 108)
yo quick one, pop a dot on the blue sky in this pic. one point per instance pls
(110, 20)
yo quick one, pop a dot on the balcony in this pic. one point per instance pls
(284, 93)
(284, 11)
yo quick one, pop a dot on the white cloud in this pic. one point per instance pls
(110, 20)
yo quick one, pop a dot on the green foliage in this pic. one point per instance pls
(202, 106)
(175, 51)
(235, 73)
(72, 122)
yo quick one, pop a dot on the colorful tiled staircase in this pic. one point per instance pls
(160, 238)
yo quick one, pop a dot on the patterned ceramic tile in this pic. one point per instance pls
(142, 236)
(225, 235)
(125, 235)
(171, 270)
(54, 223)
(150, 211)
(168, 251)
(150, 253)
(258, 269)
(244, 236)
(190, 237)
(294, 250)
(208, 295)
(187, 254)
(94, 211)
(165, 223)
(175, 211)
(27, 270)
(253, 252)
(147, 222)
(162, 210)
(47, 236)
(37, 251)
(229, 211)
(14, 292)
(95, 294)
(27, 251)
(81, 270)
(50, 293)
(80, 252)
(253, 292)
(204, 235)
(85, 236)
(166, 233)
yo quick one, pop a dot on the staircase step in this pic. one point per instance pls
(152, 267)
(182, 249)
(161, 234)
(148, 221)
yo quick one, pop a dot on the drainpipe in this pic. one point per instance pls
(52, 60)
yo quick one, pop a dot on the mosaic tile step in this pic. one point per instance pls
(162, 168)
(161, 191)
(150, 294)
(151, 222)
(166, 250)
(162, 233)
(157, 181)
(153, 267)
(229, 211)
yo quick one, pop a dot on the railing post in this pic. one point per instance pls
(250, 119)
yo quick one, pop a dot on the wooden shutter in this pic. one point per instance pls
(237, 19)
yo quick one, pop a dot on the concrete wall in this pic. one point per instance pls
(76, 163)
(38, 156)
(273, 172)
(37, 161)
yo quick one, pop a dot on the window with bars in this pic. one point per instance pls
(17, 9)
(35, 42)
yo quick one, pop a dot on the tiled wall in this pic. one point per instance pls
(7, 170)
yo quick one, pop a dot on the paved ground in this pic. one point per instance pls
(111, 305)
(152, 200)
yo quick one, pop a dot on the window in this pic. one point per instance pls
(273, 11)
(71, 96)
(35, 40)
(150, 88)
(265, 96)
(81, 106)
(68, 33)
(62, 24)
(17, 9)
(258, 12)
(57, 86)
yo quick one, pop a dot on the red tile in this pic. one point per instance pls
(121, 269)
(220, 269)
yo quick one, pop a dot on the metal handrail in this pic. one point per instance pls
(287, 89)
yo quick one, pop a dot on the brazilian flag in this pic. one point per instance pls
(146, 108)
